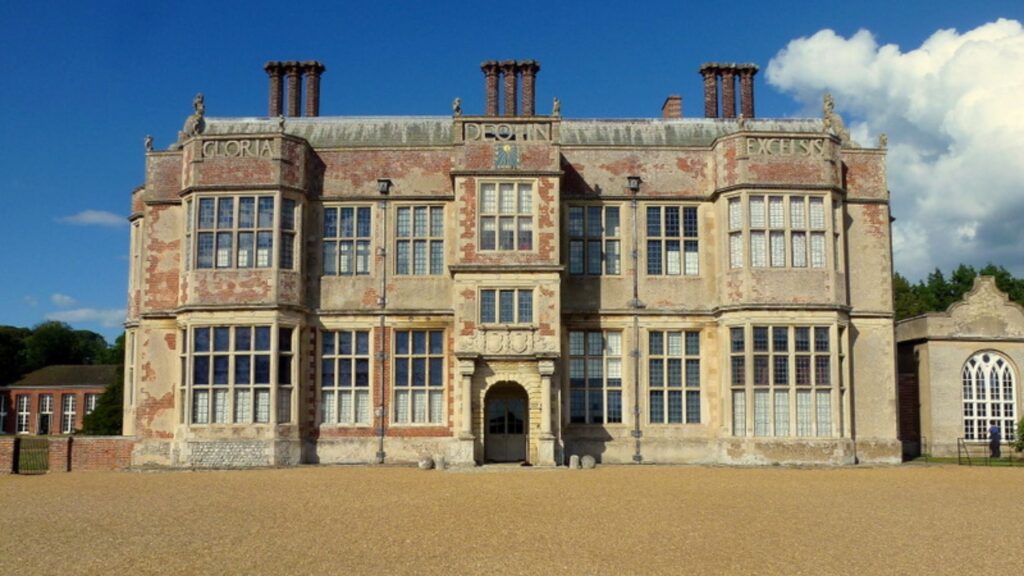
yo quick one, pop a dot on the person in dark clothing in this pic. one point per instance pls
(995, 436)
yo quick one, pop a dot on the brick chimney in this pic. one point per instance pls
(276, 95)
(294, 72)
(511, 71)
(747, 72)
(490, 70)
(673, 107)
(711, 72)
(313, 71)
(529, 69)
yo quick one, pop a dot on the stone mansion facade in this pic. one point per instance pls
(511, 286)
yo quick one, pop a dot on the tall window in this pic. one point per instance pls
(419, 248)
(506, 216)
(347, 240)
(345, 377)
(3, 414)
(673, 377)
(672, 240)
(231, 374)
(736, 233)
(506, 306)
(419, 376)
(238, 232)
(45, 414)
(67, 414)
(594, 244)
(23, 414)
(989, 396)
(91, 400)
(817, 226)
(791, 381)
(595, 377)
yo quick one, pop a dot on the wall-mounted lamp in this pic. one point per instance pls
(634, 183)
(383, 185)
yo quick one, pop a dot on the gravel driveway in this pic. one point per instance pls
(613, 520)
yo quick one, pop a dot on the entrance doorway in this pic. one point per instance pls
(505, 440)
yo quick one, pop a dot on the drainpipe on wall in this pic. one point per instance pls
(636, 305)
(383, 187)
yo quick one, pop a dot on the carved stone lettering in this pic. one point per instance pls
(786, 147)
(507, 132)
(248, 148)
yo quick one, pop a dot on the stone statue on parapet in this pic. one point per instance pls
(834, 122)
(457, 107)
(742, 121)
(883, 140)
(194, 124)
(148, 143)
(556, 107)
(280, 123)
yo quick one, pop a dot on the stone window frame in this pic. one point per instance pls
(282, 366)
(687, 391)
(802, 419)
(586, 238)
(282, 231)
(972, 403)
(361, 257)
(440, 391)
(663, 239)
(803, 242)
(518, 214)
(430, 237)
(336, 357)
(606, 359)
(23, 414)
(45, 409)
(68, 413)
(517, 304)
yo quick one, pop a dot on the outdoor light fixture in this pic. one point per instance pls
(634, 183)
(383, 185)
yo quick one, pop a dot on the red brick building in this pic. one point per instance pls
(53, 400)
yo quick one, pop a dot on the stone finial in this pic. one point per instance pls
(741, 121)
(556, 107)
(280, 123)
(148, 143)
(883, 140)
(457, 107)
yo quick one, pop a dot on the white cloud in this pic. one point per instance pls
(955, 121)
(30, 301)
(108, 318)
(62, 300)
(95, 218)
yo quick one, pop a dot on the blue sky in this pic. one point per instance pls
(83, 82)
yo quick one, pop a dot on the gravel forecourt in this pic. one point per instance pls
(913, 519)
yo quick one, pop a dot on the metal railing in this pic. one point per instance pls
(982, 455)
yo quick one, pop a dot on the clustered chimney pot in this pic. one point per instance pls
(711, 72)
(511, 70)
(294, 71)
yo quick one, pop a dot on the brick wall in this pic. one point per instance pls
(90, 453)
(7, 454)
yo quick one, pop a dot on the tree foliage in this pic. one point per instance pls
(936, 293)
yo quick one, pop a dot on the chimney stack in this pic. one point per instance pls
(311, 69)
(511, 72)
(711, 71)
(673, 107)
(273, 70)
(490, 70)
(529, 69)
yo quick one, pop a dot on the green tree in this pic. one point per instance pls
(107, 418)
(12, 353)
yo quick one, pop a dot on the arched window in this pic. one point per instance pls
(989, 396)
